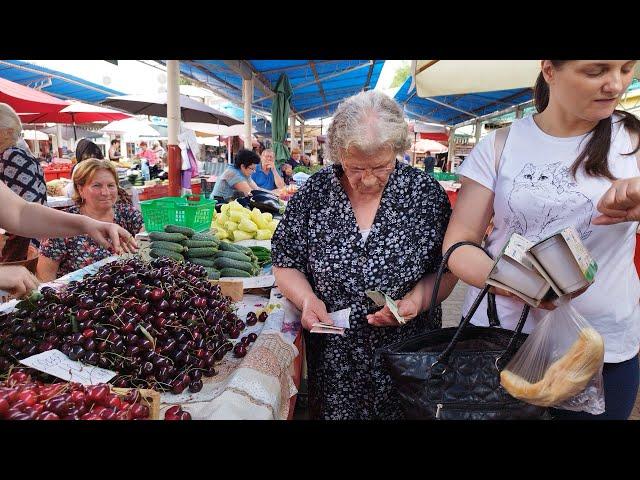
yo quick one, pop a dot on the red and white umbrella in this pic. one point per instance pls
(423, 146)
(77, 112)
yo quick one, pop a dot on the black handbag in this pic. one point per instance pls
(454, 373)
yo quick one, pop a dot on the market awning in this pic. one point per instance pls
(55, 83)
(318, 85)
(77, 112)
(458, 108)
(27, 100)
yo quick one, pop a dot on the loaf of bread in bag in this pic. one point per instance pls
(566, 377)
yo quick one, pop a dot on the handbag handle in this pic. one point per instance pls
(443, 358)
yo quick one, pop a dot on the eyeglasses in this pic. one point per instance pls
(356, 172)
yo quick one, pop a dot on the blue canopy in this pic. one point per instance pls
(455, 109)
(58, 84)
(318, 85)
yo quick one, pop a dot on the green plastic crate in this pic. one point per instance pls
(182, 211)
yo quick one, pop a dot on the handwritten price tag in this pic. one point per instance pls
(56, 363)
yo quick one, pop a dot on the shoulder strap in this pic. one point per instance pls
(499, 143)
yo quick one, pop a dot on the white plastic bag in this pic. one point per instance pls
(560, 364)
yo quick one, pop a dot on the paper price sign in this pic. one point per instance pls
(56, 363)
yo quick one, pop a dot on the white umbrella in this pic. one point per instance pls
(130, 126)
(451, 77)
(34, 135)
(216, 129)
(423, 146)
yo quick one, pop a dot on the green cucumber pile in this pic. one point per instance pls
(220, 258)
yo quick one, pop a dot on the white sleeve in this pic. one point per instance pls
(480, 165)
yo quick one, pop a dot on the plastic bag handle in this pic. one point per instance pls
(443, 358)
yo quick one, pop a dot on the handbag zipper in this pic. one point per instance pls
(476, 406)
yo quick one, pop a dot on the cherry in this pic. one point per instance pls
(240, 350)
(4, 407)
(234, 332)
(263, 316)
(98, 393)
(139, 411)
(173, 413)
(156, 294)
(195, 386)
(48, 416)
(252, 337)
(184, 416)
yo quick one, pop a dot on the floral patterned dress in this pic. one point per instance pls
(74, 253)
(319, 236)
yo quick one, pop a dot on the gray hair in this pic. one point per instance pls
(367, 121)
(10, 119)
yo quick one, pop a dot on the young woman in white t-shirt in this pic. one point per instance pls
(571, 164)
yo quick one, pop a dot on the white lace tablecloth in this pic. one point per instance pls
(258, 386)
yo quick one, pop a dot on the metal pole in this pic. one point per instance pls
(174, 158)
(452, 149)
(247, 96)
(478, 130)
(415, 139)
(292, 130)
(36, 142)
(302, 138)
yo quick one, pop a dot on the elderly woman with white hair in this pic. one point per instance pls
(367, 222)
(22, 173)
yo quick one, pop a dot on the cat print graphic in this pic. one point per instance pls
(550, 192)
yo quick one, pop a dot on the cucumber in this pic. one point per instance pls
(231, 247)
(205, 237)
(199, 244)
(160, 252)
(205, 262)
(189, 232)
(201, 252)
(232, 272)
(241, 257)
(222, 262)
(167, 237)
(174, 247)
(212, 273)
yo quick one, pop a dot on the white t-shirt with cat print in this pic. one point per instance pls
(536, 196)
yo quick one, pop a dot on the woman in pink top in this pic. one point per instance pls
(150, 155)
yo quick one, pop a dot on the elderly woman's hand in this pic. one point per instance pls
(621, 203)
(17, 280)
(112, 236)
(407, 309)
(313, 311)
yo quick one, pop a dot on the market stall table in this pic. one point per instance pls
(262, 385)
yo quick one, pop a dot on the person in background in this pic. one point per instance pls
(305, 161)
(147, 154)
(34, 220)
(266, 175)
(96, 192)
(22, 173)
(287, 173)
(114, 150)
(429, 162)
(294, 160)
(236, 180)
(575, 163)
(158, 150)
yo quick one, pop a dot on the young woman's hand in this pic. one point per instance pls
(621, 203)
(112, 237)
(407, 309)
(17, 280)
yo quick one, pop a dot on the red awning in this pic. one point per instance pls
(438, 137)
(27, 100)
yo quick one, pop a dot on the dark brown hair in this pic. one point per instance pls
(594, 157)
